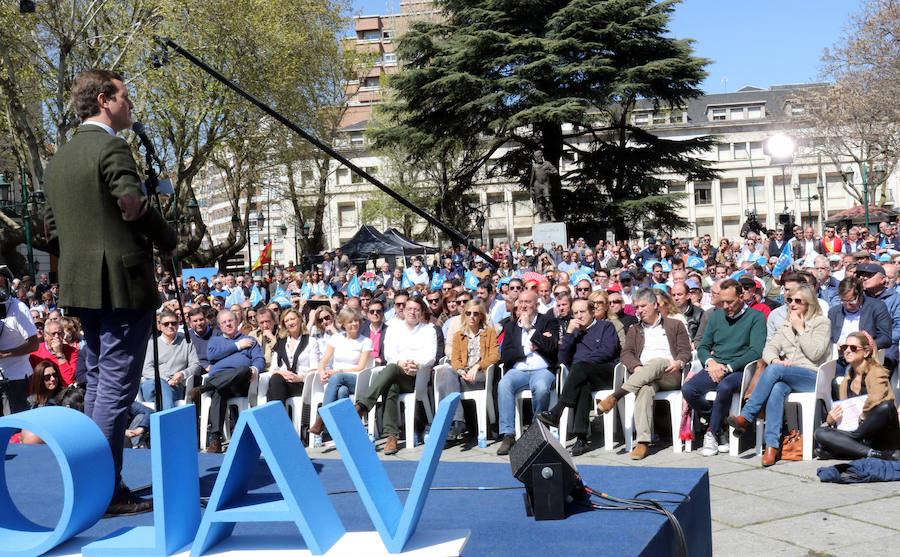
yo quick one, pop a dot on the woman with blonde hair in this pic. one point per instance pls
(878, 433)
(345, 356)
(294, 355)
(801, 344)
(600, 299)
(475, 348)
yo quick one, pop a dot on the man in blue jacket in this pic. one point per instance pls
(591, 349)
(235, 361)
(876, 286)
(858, 312)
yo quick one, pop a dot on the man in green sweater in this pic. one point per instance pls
(734, 337)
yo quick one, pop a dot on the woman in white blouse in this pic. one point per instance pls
(294, 356)
(346, 354)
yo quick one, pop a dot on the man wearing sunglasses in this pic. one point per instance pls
(875, 283)
(858, 312)
(53, 349)
(503, 310)
(374, 328)
(177, 361)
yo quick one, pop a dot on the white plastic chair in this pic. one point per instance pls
(240, 404)
(189, 383)
(807, 402)
(608, 418)
(525, 394)
(736, 399)
(294, 405)
(407, 401)
(317, 396)
(483, 398)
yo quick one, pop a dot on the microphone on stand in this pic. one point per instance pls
(141, 131)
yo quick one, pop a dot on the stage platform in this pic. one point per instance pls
(495, 518)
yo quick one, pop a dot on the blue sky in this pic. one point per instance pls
(751, 42)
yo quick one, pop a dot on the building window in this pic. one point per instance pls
(357, 139)
(372, 35)
(719, 114)
(641, 118)
(834, 186)
(737, 113)
(754, 113)
(756, 150)
(522, 206)
(659, 118)
(740, 151)
(343, 176)
(371, 81)
(731, 227)
(387, 34)
(496, 205)
(756, 187)
(390, 58)
(356, 179)
(724, 151)
(676, 188)
(702, 193)
(346, 214)
(523, 235)
(729, 191)
(306, 177)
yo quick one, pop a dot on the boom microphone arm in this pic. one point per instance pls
(159, 59)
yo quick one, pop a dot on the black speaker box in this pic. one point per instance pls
(539, 461)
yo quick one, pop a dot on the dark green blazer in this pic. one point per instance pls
(103, 223)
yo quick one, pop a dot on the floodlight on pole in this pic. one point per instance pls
(780, 149)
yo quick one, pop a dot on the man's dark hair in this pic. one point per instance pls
(486, 284)
(196, 311)
(401, 293)
(850, 284)
(731, 283)
(338, 294)
(456, 282)
(88, 86)
(793, 276)
(365, 292)
(516, 280)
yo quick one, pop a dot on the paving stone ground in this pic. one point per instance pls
(781, 510)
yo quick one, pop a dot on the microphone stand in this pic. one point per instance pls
(161, 58)
(152, 186)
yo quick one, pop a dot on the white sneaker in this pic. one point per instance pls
(724, 443)
(710, 445)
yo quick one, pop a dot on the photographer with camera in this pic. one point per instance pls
(18, 339)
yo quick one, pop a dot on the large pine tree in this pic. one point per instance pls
(555, 76)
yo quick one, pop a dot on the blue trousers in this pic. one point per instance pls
(169, 393)
(340, 385)
(695, 390)
(775, 384)
(540, 381)
(115, 342)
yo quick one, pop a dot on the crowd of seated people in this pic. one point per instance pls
(678, 313)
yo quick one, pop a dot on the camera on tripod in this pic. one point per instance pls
(752, 224)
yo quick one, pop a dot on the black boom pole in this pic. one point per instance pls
(455, 235)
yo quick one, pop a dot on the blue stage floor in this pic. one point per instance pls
(496, 518)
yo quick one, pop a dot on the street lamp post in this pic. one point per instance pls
(30, 202)
(260, 221)
(849, 176)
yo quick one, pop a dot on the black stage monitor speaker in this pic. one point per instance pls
(540, 462)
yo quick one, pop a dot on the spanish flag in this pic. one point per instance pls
(264, 257)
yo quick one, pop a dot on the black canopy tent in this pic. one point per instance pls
(411, 247)
(368, 243)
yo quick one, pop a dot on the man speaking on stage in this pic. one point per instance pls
(104, 226)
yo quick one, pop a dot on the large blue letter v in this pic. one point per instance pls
(395, 522)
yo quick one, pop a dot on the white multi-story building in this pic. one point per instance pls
(809, 186)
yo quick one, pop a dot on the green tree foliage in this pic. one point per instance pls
(554, 76)
(279, 51)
